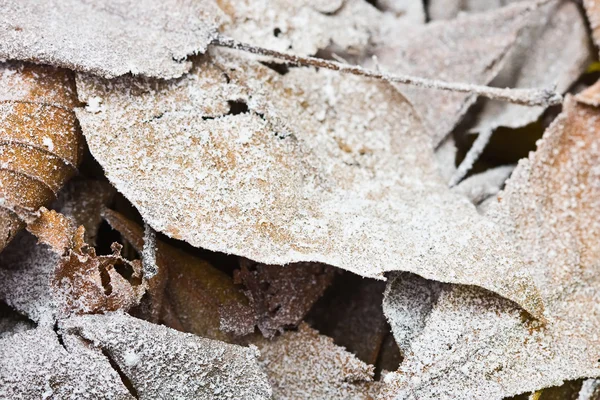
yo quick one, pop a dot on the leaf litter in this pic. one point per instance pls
(299, 166)
(309, 172)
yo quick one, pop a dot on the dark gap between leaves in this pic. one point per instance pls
(59, 336)
(124, 378)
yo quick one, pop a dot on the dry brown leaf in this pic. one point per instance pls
(111, 38)
(282, 295)
(40, 144)
(321, 168)
(471, 49)
(307, 365)
(204, 300)
(477, 345)
(590, 96)
(592, 9)
(34, 365)
(162, 363)
(307, 26)
(540, 59)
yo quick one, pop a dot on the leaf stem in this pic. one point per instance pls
(527, 97)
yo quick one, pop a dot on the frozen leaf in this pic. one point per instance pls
(445, 156)
(306, 365)
(592, 9)
(471, 49)
(410, 10)
(34, 365)
(26, 271)
(203, 299)
(163, 363)
(481, 186)
(305, 26)
(40, 142)
(477, 345)
(540, 60)
(11, 322)
(306, 167)
(448, 9)
(111, 38)
(590, 96)
(282, 295)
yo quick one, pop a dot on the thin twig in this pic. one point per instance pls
(528, 97)
(472, 155)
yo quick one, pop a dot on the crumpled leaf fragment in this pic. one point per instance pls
(305, 26)
(41, 145)
(470, 49)
(307, 365)
(34, 365)
(111, 38)
(203, 299)
(163, 363)
(320, 168)
(477, 345)
(477, 188)
(540, 59)
(282, 295)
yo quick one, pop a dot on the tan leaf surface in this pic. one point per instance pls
(477, 345)
(592, 9)
(321, 168)
(307, 26)
(34, 365)
(163, 363)
(282, 295)
(111, 38)
(40, 144)
(307, 365)
(471, 49)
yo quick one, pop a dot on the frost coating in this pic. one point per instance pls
(477, 345)
(108, 38)
(322, 167)
(162, 363)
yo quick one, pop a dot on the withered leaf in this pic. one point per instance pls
(163, 363)
(320, 168)
(471, 49)
(282, 295)
(477, 345)
(481, 186)
(111, 38)
(307, 365)
(592, 10)
(34, 365)
(201, 298)
(41, 145)
(304, 26)
(540, 59)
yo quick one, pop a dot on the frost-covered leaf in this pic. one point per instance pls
(471, 49)
(481, 186)
(540, 59)
(448, 9)
(592, 10)
(590, 390)
(311, 166)
(41, 144)
(282, 295)
(307, 365)
(162, 363)
(34, 365)
(110, 38)
(307, 26)
(477, 345)
(202, 299)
